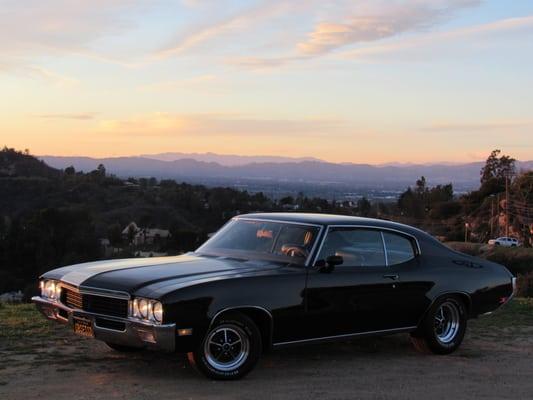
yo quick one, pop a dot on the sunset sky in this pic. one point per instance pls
(357, 81)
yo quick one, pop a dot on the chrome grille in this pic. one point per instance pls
(71, 298)
(103, 305)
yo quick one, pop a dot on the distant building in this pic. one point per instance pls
(130, 231)
(140, 236)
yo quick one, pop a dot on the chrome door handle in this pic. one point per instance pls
(394, 277)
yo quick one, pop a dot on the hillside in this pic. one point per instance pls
(14, 163)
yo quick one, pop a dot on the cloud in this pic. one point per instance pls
(377, 23)
(75, 116)
(247, 19)
(434, 38)
(378, 49)
(30, 30)
(223, 125)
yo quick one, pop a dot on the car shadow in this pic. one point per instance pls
(287, 361)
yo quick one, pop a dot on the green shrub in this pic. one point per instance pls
(517, 260)
(473, 249)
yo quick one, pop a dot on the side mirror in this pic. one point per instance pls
(330, 263)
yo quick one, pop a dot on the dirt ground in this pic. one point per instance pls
(494, 362)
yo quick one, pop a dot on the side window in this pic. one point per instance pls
(295, 240)
(399, 248)
(358, 247)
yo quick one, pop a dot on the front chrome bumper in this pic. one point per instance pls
(135, 333)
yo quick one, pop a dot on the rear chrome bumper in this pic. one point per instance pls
(126, 332)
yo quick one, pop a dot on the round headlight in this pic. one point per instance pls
(49, 289)
(57, 291)
(158, 311)
(143, 308)
(135, 308)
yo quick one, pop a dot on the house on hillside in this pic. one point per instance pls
(144, 236)
(130, 231)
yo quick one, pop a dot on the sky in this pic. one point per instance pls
(363, 81)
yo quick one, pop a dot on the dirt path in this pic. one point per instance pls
(493, 363)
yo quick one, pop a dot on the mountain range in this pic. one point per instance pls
(228, 160)
(203, 168)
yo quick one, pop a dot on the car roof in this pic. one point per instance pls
(332, 219)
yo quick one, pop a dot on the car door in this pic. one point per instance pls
(360, 295)
(414, 281)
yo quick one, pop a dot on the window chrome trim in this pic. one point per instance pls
(418, 250)
(384, 248)
(307, 262)
(276, 220)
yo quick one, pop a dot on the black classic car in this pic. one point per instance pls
(271, 280)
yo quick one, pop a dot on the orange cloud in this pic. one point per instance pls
(169, 124)
(386, 20)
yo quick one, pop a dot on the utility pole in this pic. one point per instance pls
(507, 205)
(492, 216)
(498, 209)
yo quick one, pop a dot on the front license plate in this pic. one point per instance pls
(83, 327)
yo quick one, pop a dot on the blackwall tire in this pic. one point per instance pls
(443, 328)
(230, 349)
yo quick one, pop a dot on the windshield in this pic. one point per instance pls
(256, 239)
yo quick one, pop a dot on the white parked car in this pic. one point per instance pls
(505, 242)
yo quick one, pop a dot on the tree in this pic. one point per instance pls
(114, 234)
(497, 167)
(364, 208)
(421, 187)
(289, 200)
(101, 169)
(522, 204)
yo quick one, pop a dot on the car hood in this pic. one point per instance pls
(131, 275)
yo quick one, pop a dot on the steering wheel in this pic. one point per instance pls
(293, 250)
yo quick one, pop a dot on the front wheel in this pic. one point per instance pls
(443, 329)
(230, 349)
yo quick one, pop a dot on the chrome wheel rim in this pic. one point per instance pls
(447, 322)
(226, 347)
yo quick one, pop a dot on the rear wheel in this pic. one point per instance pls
(443, 329)
(230, 349)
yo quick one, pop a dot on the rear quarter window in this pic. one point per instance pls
(400, 248)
